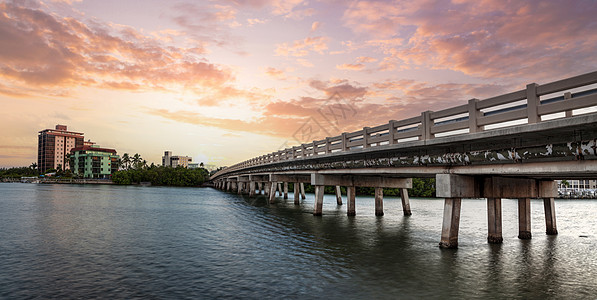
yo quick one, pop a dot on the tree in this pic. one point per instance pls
(565, 183)
(136, 160)
(126, 161)
(201, 165)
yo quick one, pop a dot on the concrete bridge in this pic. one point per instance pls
(509, 146)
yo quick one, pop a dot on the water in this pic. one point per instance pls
(75, 241)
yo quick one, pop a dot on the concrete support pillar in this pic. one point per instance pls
(260, 188)
(379, 201)
(266, 190)
(279, 189)
(338, 195)
(450, 223)
(494, 220)
(524, 218)
(303, 191)
(251, 188)
(350, 194)
(272, 192)
(285, 190)
(550, 216)
(297, 188)
(317, 211)
(405, 202)
(239, 188)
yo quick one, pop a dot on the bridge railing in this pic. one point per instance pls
(519, 107)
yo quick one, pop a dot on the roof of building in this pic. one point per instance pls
(93, 148)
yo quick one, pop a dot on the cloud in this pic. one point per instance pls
(43, 54)
(256, 21)
(365, 59)
(302, 47)
(305, 63)
(275, 73)
(208, 23)
(286, 8)
(354, 67)
(402, 99)
(343, 88)
(315, 26)
(522, 40)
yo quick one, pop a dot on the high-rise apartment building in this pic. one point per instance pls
(174, 161)
(53, 146)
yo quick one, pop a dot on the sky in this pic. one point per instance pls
(225, 81)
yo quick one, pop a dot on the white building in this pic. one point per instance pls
(174, 161)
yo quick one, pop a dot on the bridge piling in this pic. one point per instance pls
(318, 210)
(524, 218)
(279, 189)
(296, 188)
(350, 195)
(450, 223)
(405, 202)
(550, 216)
(303, 191)
(272, 192)
(251, 188)
(338, 195)
(379, 201)
(285, 190)
(260, 188)
(267, 188)
(494, 218)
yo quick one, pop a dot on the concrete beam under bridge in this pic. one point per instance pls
(455, 187)
(290, 178)
(360, 180)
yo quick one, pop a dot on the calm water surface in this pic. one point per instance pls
(75, 241)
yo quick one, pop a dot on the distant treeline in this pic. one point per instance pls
(160, 175)
(422, 187)
(18, 172)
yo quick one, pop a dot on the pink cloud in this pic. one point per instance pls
(353, 67)
(46, 54)
(491, 39)
(302, 47)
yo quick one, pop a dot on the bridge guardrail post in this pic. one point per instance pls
(327, 145)
(473, 116)
(426, 124)
(392, 132)
(365, 137)
(568, 96)
(532, 104)
(344, 142)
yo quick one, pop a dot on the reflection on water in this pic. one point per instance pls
(68, 241)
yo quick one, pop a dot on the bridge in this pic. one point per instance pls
(510, 146)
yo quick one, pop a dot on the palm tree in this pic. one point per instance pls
(33, 166)
(201, 165)
(126, 161)
(136, 160)
(144, 164)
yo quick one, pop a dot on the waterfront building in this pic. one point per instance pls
(92, 161)
(174, 161)
(582, 184)
(53, 146)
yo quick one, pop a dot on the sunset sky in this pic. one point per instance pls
(224, 81)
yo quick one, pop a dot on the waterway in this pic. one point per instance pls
(83, 241)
